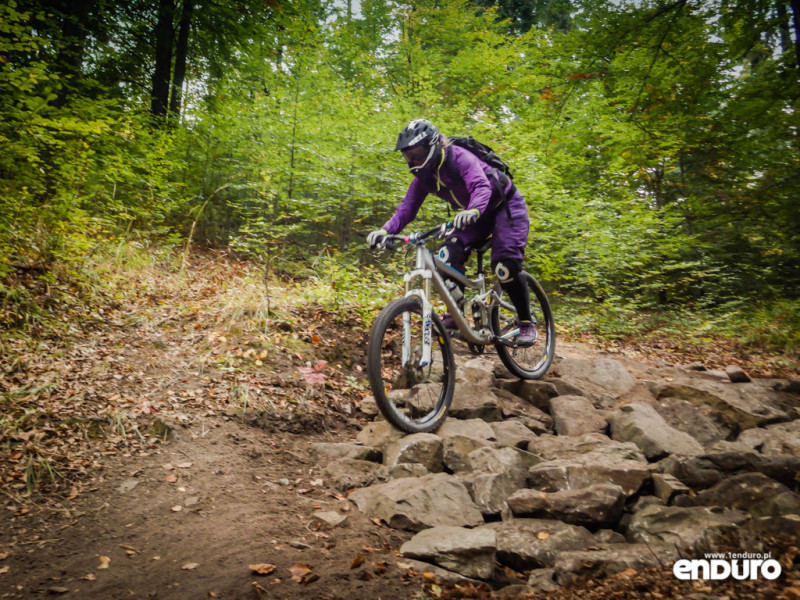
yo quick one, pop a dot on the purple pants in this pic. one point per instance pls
(509, 236)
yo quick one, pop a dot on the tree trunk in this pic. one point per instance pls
(159, 101)
(795, 4)
(74, 31)
(179, 72)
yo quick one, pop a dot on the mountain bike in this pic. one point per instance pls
(410, 361)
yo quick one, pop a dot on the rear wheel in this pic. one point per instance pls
(531, 362)
(413, 397)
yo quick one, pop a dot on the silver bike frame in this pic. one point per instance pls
(426, 268)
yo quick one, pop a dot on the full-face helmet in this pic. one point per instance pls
(421, 145)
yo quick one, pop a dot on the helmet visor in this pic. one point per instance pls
(418, 157)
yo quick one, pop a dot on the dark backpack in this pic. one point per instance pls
(483, 152)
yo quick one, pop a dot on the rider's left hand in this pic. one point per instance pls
(466, 218)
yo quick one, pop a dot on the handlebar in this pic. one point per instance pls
(441, 230)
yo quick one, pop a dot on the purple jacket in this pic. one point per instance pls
(472, 189)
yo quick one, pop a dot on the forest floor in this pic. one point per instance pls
(158, 448)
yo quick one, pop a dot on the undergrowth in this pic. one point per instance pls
(67, 299)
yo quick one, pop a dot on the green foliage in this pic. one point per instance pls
(656, 144)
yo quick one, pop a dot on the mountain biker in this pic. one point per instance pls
(485, 208)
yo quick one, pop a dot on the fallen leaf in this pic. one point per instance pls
(171, 478)
(429, 575)
(315, 339)
(4, 569)
(89, 577)
(365, 576)
(104, 562)
(189, 566)
(3, 555)
(380, 566)
(627, 573)
(302, 573)
(358, 561)
(263, 568)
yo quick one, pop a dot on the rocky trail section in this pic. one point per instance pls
(604, 468)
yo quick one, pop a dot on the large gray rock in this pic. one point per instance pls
(474, 429)
(576, 415)
(746, 405)
(605, 560)
(537, 393)
(348, 473)
(642, 425)
(490, 491)
(512, 461)
(398, 471)
(725, 458)
(587, 470)
(774, 440)
(513, 433)
(666, 487)
(436, 572)
(472, 401)
(422, 448)
(533, 543)
(331, 451)
(751, 492)
(597, 377)
(456, 450)
(378, 435)
(469, 552)
(477, 371)
(416, 503)
(705, 424)
(596, 505)
(533, 418)
(736, 374)
(541, 581)
(692, 528)
(554, 447)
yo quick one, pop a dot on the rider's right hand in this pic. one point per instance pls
(376, 237)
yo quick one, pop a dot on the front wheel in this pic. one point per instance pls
(531, 362)
(413, 397)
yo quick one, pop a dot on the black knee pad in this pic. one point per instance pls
(507, 270)
(452, 253)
